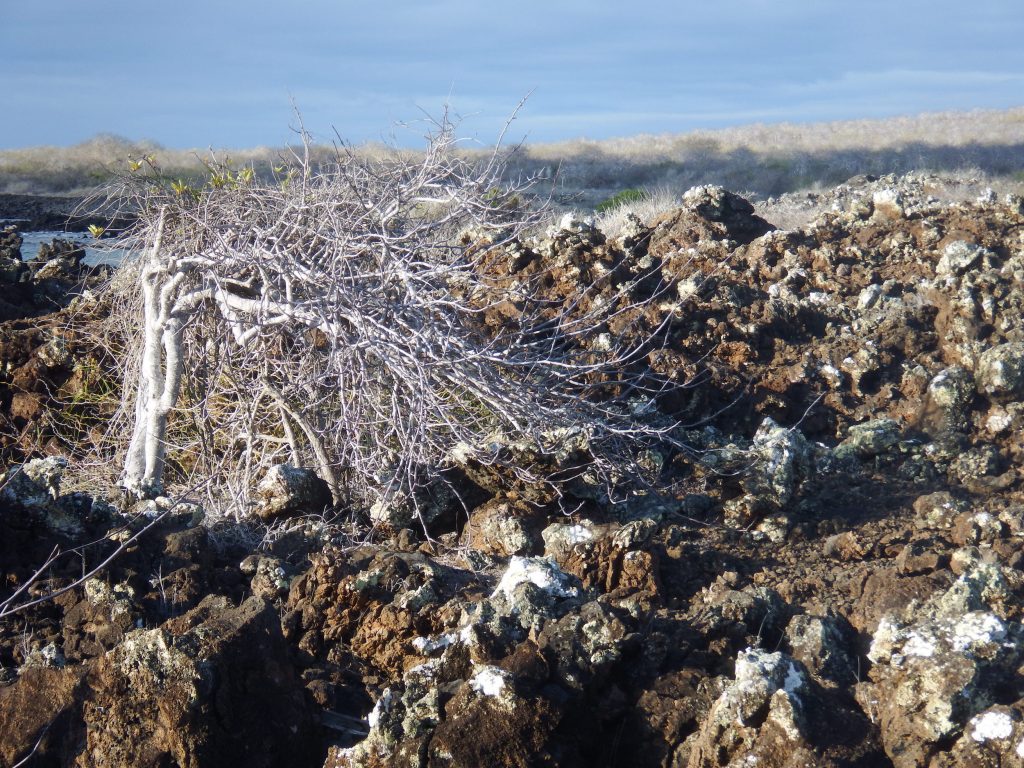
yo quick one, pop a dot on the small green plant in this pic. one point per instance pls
(626, 196)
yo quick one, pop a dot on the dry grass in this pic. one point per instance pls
(758, 160)
(763, 161)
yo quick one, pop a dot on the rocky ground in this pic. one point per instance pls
(43, 212)
(836, 578)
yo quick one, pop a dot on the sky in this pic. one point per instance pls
(201, 73)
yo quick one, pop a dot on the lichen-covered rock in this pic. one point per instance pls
(1000, 372)
(212, 687)
(100, 620)
(583, 645)
(530, 591)
(760, 718)
(959, 256)
(822, 646)
(931, 677)
(503, 528)
(271, 577)
(992, 739)
(286, 490)
(783, 458)
(870, 438)
(949, 398)
(981, 586)
(938, 510)
(34, 489)
(557, 450)
(560, 538)
(511, 670)
(888, 204)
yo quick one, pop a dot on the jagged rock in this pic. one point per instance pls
(212, 687)
(717, 204)
(494, 714)
(529, 586)
(738, 614)
(761, 717)
(918, 557)
(99, 621)
(365, 597)
(286, 490)
(992, 739)
(782, 459)
(888, 203)
(958, 257)
(938, 510)
(870, 438)
(1000, 372)
(931, 677)
(980, 587)
(500, 527)
(844, 546)
(270, 576)
(59, 248)
(976, 528)
(559, 450)
(949, 399)
(13, 271)
(10, 244)
(583, 645)
(34, 488)
(822, 646)
(560, 538)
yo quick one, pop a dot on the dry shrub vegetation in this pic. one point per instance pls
(337, 316)
(274, 283)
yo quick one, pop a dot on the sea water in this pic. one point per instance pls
(96, 251)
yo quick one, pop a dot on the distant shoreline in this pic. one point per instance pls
(34, 213)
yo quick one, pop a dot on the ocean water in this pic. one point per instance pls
(95, 251)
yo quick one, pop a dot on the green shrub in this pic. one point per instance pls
(626, 196)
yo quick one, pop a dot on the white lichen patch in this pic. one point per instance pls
(428, 646)
(150, 656)
(577, 534)
(832, 375)
(998, 421)
(382, 705)
(794, 680)
(541, 572)
(885, 640)
(919, 645)
(991, 725)
(976, 629)
(488, 681)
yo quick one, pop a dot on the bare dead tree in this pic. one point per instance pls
(333, 318)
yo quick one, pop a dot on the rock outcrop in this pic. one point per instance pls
(830, 574)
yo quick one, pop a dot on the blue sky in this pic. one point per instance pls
(196, 73)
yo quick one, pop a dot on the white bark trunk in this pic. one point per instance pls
(159, 375)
